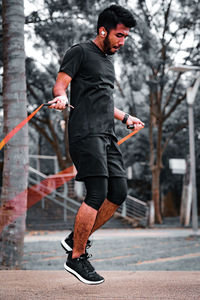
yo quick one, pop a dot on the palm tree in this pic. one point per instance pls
(15, 170)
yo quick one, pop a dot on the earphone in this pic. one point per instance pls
(103, 32)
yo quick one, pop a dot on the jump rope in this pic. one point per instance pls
(46, 185)
(26, 120)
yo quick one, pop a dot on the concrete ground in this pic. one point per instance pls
(136, 264)
(119, 250)
(51, 285)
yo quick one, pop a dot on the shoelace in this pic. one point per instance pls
(89, 244)
(85, 263)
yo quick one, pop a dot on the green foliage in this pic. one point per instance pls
(58, 26)
(144, 85)
(39, 90)
(160, 35)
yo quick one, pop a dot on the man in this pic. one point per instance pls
(92, 141)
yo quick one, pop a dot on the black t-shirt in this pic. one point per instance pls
(92, 86)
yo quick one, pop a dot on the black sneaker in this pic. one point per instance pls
(82, 269)
(68, 243)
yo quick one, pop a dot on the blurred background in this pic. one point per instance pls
(161, 182)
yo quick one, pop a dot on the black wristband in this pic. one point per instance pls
(126, 116)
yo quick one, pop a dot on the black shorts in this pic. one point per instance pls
(97, 156)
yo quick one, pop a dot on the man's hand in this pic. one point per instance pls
(131, 121)
(138, 124)
(59, 102)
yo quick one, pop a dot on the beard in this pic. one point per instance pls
(107, 46)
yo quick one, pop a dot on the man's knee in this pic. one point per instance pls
(96, 191)
(95, 200)
(117, 190)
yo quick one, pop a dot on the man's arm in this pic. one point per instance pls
(59, 91)
(129, 120)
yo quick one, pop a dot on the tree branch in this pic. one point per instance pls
(163, 49)
(171, 92)
(37, 19)
(178, 128)
(178, 101)
(174, 106)
(43, 121)
(119, 88)
(42, 131)
(30, 89)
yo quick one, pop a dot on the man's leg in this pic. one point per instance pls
(85, 219)
(117, 192)
(84, 223)
(77, 262)
(117, 185)
(105, 212)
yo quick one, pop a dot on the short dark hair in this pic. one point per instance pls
(113, 15)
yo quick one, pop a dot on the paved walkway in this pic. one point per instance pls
(59, 285)
(120, 250)
(137, 264)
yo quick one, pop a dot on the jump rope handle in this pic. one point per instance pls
(131, 126)
(68, 105)
(49, 104)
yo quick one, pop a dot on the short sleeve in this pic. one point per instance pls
(72, 60)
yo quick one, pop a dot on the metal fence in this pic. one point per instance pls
(135, 209)
(58, 197)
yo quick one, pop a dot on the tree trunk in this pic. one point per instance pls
(156, 175)
(156, 193)
(15, 171)
(155, 156)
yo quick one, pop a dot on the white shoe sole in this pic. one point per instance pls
(65, 246)
(79, 277)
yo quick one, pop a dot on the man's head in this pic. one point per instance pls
(113, 27)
